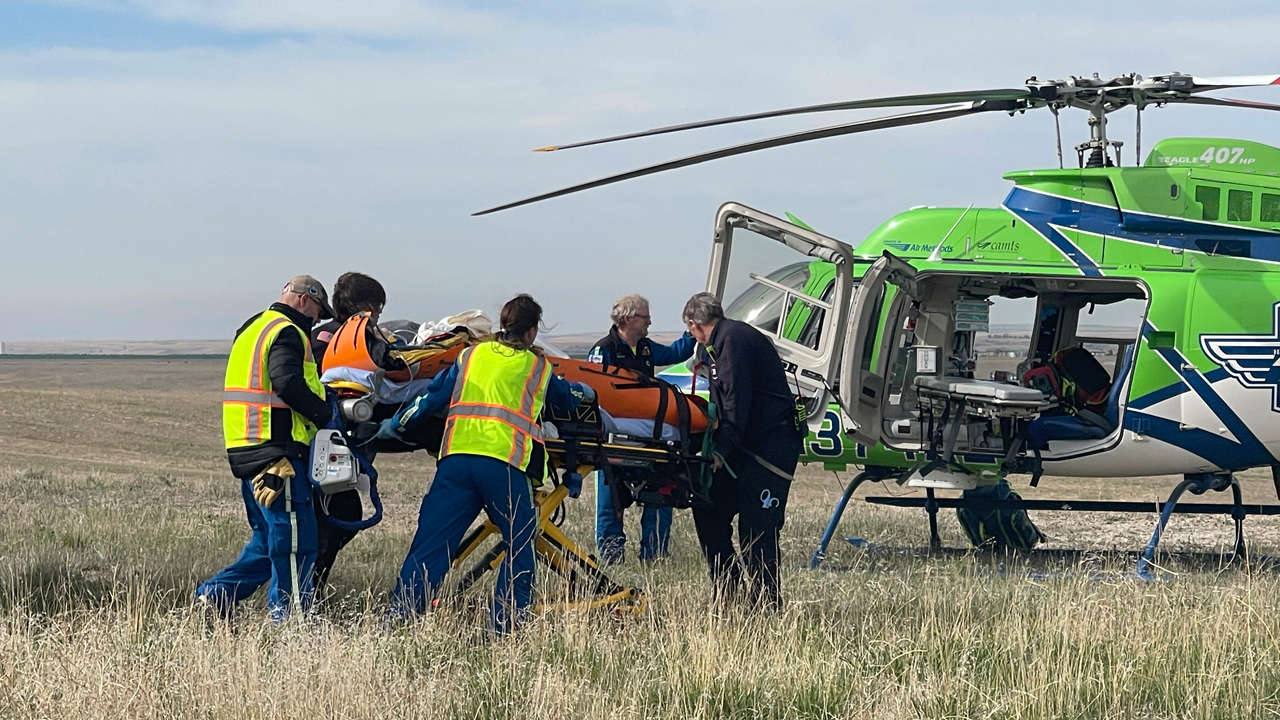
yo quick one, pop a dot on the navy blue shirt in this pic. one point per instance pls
(613, 350)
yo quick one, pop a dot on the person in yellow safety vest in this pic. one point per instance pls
(491, 456)
(272, 405)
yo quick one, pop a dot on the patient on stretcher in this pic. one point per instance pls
(360, 361)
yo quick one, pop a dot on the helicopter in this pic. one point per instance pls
(885, 340)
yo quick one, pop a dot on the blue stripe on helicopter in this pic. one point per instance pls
(1246, 452)
(1041, 211)
(1213, 447)
(1174, 390)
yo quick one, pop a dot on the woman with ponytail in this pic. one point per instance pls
(491, 457)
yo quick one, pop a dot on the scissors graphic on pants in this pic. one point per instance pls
(767, 500)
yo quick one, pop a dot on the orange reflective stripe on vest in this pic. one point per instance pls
(248, 400)
(495, 404)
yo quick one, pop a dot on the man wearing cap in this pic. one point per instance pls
(272, 405)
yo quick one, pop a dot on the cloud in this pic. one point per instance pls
(195, 180)
(395, 19)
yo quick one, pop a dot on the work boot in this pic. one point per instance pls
(613, 550)
(212, 615)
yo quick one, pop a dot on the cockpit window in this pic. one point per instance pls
(762, 302)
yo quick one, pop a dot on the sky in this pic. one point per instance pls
(165, 165)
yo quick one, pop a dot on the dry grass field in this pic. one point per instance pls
(115, 502)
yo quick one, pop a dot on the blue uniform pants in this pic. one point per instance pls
(281, 551)
(463, 485)
(611, 541)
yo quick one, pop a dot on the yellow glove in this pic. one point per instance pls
(269, 483)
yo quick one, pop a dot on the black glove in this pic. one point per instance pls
(364, 433)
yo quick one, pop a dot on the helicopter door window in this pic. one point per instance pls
(1006, 341)
(795, 286)
(1210, 199)
(778, 290)
(1106, 331)
(1239, 206)
(778, 304)
(1270, 210)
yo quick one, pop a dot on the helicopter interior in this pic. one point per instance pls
(943, 336)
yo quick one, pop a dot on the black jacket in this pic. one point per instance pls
(320, 337)
(284, 367)
(749, 387)
(648, 356)
(613, 350)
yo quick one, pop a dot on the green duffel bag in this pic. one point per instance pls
(995, 529)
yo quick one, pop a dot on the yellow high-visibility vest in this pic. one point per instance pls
(248, 401)
(496, 402)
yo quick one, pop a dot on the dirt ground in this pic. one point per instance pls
(161, 418)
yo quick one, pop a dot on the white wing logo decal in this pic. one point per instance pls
(1254, 360)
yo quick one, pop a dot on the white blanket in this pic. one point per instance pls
(391, 392)
(395, 393)
(636, 428)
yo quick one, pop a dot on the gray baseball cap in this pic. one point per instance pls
(311, 287)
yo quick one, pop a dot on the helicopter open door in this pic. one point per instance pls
(866, 363)
(792, 284)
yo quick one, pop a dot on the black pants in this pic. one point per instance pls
(758, 496)
(344, 506)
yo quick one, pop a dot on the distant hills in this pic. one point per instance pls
(115, 347)
(578, 344)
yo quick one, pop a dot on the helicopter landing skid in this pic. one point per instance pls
(1198, 484)
(872, 473)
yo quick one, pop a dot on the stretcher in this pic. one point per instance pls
(645, 436)
(360, 345)
(635, 424)
(585, 586)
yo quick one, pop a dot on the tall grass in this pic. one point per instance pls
(97, 569)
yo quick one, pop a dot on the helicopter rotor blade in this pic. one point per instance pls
(1230, 102)
(1219, 83)
(923, 116)
(897, 101)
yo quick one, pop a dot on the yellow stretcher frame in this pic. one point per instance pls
(587, 587)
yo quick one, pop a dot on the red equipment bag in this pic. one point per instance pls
(1085, 383)
(1045, 379)
(1075, 377)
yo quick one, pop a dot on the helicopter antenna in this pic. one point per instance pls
(1057, 131)
(936, 255)
(1138, 138)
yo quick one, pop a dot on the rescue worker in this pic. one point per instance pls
(353, 293)
(272, 405)
(628, 346)
(491, 456)
(757, 445)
